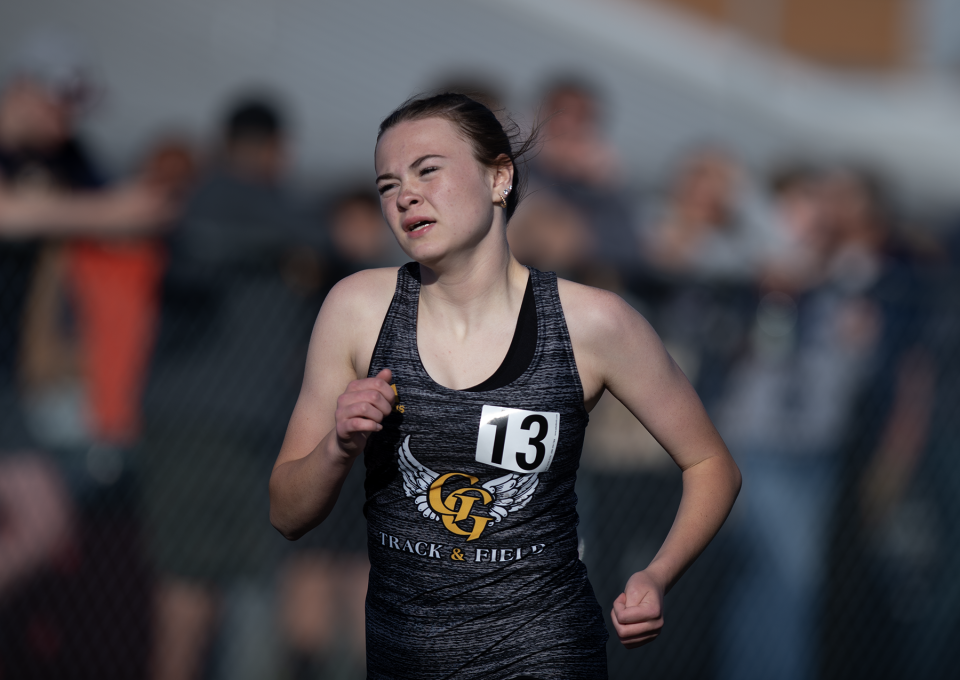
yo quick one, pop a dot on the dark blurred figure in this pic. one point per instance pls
(325, 580)
(235, 321)
(576, 171)
(574, 149)
(359, 237)
(71, 581)
(911, 489)
(785, 415)
(896, 546)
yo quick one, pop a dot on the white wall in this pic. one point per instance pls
(344, 65)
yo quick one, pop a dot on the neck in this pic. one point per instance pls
(483, 283)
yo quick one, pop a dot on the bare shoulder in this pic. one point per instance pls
(353, 312)
(363, 293)
(594, 315)
(606, 332)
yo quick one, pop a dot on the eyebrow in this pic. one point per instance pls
(417, 163)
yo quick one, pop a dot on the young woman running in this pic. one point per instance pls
(465, 379)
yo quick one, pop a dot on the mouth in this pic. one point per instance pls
(417, 226)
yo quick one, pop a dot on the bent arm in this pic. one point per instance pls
(336, 411)
(658, 393)
(304, 489)
(619, 351)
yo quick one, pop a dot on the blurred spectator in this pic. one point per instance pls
(576, 172)
(785, 413)
(552, 235)
(574, 148)
(115, 290)
(235, 322)
(899, 559)
(801, 241)
(359, 237)
(325, 580)
(911, 498)
(705, 229)
(53, 556)
(50, 187)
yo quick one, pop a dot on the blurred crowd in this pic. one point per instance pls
(153, 332)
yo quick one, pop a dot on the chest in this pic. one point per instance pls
(460, 360)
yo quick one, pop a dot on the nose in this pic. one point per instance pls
(407, 198)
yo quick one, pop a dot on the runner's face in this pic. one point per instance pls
(436, 197)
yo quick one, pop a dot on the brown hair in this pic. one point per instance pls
(478, 125)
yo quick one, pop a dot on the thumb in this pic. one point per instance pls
(386, 375)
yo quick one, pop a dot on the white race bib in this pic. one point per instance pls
(517, 440)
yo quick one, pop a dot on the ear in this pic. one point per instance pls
(502, 177)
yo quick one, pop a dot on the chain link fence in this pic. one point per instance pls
(145, 385)
(841, 552)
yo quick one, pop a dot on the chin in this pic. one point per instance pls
(432, 250)
(425, 255)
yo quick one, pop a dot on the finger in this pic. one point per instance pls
(633, 630)
(645, 611)
(373, 394)
(373, 397)
(639, 638)
(382, 382)
(360, 409)
(636, 634)
(347, 428)
(377, 384)
(630, 634)
(362, 425)
(618, 606)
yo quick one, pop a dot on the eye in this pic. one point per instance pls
(384, 188)
(431, 168)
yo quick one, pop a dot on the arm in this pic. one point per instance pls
(130, 209)
(904, 438)
(618, 350)
(327, 432)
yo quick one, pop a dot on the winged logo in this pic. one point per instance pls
(501, 496)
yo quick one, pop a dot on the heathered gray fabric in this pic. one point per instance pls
(429, 614)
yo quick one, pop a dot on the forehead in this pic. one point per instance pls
(406, 142)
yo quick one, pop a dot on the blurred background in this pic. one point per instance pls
(774, 184)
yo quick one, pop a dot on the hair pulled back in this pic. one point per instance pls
(478, 125)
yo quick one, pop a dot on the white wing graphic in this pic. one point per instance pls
(510, 493)
(416, 479)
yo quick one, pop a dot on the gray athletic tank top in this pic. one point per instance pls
(471, 515)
